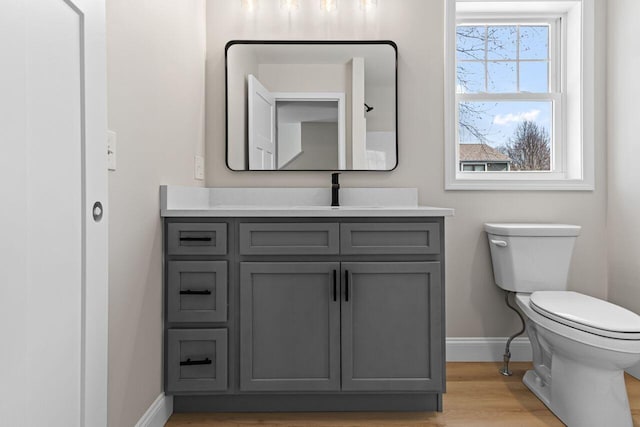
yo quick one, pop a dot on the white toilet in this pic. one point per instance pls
(581, 345)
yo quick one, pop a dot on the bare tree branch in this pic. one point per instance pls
(472, 43)
(529, 148)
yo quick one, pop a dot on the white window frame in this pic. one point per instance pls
(573, 104)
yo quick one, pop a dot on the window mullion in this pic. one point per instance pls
(508, 96)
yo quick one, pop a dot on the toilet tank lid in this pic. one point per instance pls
(532, 229)
(586, 310)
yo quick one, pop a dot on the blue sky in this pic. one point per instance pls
(499, 120)
(508, 53)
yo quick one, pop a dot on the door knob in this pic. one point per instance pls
(97, 211)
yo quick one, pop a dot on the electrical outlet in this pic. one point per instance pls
(111, 150)
(199, 168)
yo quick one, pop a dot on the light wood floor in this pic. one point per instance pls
(477, 395)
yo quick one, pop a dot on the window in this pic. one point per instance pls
(514, 118)
(507, 93)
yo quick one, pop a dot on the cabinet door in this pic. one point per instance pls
(392, 326)
(290, 326)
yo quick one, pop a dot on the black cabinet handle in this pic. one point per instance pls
(190, 362)
(195, 239)
(346, 285)
(335, 285)
(190, 292)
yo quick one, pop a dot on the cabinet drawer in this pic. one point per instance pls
(197, 291)
(196, 360)
(197, 239)
(289, 239)
(389, 238)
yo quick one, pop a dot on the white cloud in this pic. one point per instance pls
(513, 118)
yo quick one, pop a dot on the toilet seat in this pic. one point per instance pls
(587, 314)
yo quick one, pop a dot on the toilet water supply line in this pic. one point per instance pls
(507, 354)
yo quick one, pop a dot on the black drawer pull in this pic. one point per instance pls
(190, 292)
(195, 239)
(190, 362)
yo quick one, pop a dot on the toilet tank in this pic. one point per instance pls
(531, 257)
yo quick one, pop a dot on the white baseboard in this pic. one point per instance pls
(481, 349)
(158, 413)
(634, 371)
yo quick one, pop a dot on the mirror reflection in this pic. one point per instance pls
(311, 105)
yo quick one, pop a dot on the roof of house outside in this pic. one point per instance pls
(481, 153)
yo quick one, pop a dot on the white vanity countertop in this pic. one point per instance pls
(293, 202)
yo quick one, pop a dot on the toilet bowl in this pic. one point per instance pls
(579, 375)
(581, 345)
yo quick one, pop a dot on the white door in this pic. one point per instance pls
(53, 254)
(262, 127)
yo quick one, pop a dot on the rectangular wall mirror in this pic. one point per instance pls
(310, 105)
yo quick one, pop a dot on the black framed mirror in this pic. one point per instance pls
(311, 105)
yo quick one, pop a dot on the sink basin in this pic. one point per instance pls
(308, 207)
(336, 207)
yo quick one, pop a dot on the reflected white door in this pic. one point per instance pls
(53, 254)
(262, 126)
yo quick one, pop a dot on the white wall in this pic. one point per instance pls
(623, 48)
(381, 150)
(475, 307)
(382, 118)
(319, 147)
(156, 106)
(304, 77)
(289, 142)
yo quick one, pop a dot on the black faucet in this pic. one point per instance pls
(335, 189)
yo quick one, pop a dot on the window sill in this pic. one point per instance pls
(519, 185)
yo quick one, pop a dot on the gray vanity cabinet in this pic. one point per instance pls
(390, 326)
(304, 314)
(289, 326)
